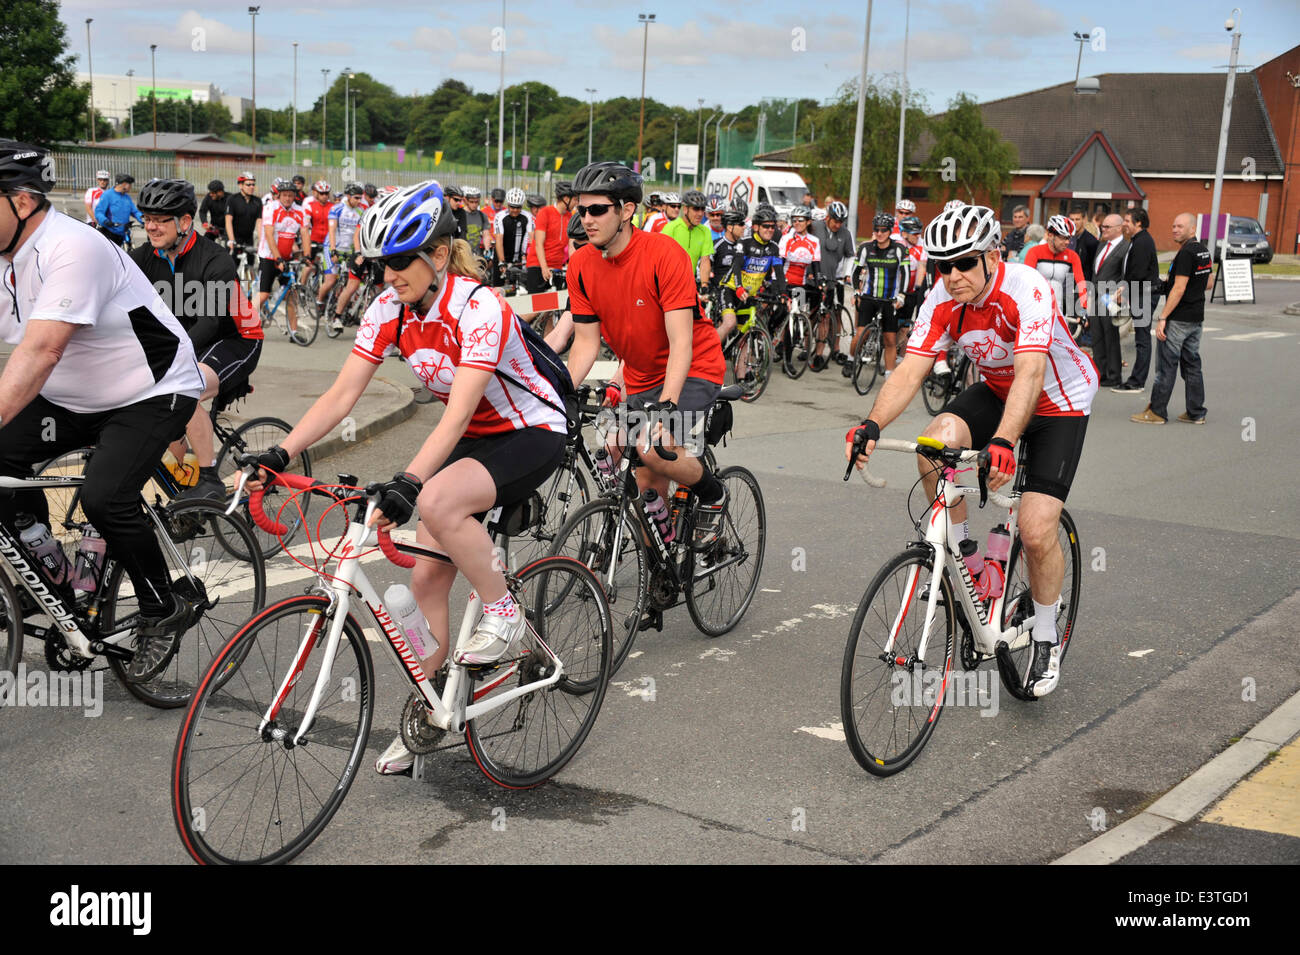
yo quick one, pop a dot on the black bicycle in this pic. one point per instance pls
(940, 388)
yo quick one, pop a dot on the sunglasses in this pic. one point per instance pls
(767, 225)
(398, 263)
(961, 265)
(672, 205)
(595, 210)
(715, 215)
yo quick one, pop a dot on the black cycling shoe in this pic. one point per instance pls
(1045, 670)
(157, 638)
(209, 486)
(819, 363)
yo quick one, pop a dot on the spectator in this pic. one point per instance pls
(1179, 328)
(1034, 235)
(1141, 277)
(1108, 271)
(212, 211)
(1014, 240)
(1098, 217)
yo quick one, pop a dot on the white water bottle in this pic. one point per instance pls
(406, 614)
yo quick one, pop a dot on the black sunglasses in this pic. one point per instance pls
(596, 209)
(398, 263)
(961, 265)
(766, 225)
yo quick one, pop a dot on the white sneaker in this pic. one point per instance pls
(492, 639)
(1045, 671)
(336, 325)
(395, 760)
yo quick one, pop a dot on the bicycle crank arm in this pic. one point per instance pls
(1010, 676)
(712, 569)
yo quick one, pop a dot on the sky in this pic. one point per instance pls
(987, 48)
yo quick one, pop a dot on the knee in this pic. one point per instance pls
(101, 506)
(1037, 533)
(432, 580)
(438, 510)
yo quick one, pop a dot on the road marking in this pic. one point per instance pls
(1208, 328)
(1265, 801)
(371, 635)
(769, 590)
(831, 731)
(718, 653)
(1250, 337)
(1141, 653)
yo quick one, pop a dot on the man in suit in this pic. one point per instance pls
(1084, 244)
(1108, 273)
(1142, 278)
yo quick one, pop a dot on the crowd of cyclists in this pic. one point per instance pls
(662, 279)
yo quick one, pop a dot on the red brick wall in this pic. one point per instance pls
(1281, 100)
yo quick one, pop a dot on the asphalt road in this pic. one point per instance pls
(1187, 533)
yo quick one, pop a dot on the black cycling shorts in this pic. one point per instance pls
(268, 274)
(1053, 443)
(518, 461)
(868, 309)
(233, 360)
(693, 406)
(533, 281)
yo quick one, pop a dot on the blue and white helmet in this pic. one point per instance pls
(406, 221)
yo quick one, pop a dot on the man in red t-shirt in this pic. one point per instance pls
(549, 247)
(636, 290)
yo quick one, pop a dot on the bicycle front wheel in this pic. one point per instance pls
(724, 575)
(308, 317)
(242, 791)
(253, 437)
(799, 342)
(206, 551)
(754, 354)
(866, 362)
(561, 495)
(526, 741)
(936, 392)
(11, 626)
(891, 695)
(606, 538)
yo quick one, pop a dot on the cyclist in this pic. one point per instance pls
(317, 207)
(690, 232)
(92, 195)
(116, 209)
(1060, 265)
(212, 211)
(902, 209)
(369, 195)
(670, 207)
(99, 361)
(498, 439)
(635, 289)
(456, 199)
(838, 252)
(300, 189)
(345, 218)
(512, 228)
(881, 275)
(283, 222)
(536, 202)
(1037, 386)
(548, 248)
(244, 219)
(713, 209)
(477, 224)
(911, 228)
(654, 207)
(559, 336)
(724, 253)
(755, 267)
(225, 332)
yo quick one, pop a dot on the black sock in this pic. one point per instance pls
(209, 473)
(708, 488)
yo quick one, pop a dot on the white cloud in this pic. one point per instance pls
(1025, 18)
(331, 49)
(1218, 52)
(212, 36)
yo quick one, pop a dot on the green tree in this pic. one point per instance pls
(40, 101)
(182, 116)
(969, 159)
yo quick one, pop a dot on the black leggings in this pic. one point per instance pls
(129, 443)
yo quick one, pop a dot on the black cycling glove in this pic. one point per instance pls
(275, 459)
(397, 497)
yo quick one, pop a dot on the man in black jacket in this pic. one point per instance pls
(1108, 275)
(1142, 278)
(1084, 244)
(243, 219)
(212, 212)
(197, 281)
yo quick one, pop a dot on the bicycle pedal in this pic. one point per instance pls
(654, 619)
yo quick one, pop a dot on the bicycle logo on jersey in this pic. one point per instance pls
(989, 349)
(483, 336)
(437, 367)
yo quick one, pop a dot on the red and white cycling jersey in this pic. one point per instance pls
(471, 332)
(799, 251)
(92, 198)
(286, 225)
(654, 222)
(1017, 314)
(917, 269)
(319, 214)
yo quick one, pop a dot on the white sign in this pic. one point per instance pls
(688, 158)
(1238, 280)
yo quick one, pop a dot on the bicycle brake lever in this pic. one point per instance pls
(984, 464)
(859, 443)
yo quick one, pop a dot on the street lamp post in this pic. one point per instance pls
(293, 149)
(130, 97)
(902, 106)
(514, 109)
(1081, 38)
(526, 94)
(646, 19)
(674, 159)
(355, 99)
(729, 125)
(591, 119)
(487, 142)
(90, 68)
(324, 111)
(347, 94)
(252, 13)
(704, 144)
(501, 103)
(856, 179)
(1233, 23)
(153, 91)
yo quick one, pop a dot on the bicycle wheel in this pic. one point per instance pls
(528, 740)
(308, 316)
(866, 361)
(243, 793)
(843, 331)
(11, 623)
(327, 315)
(725, 574)
(622, 566)
(754, 352)
(66, 515)
(1019, 602)
(936, 392)
(562, 495)
(799, 332)
(253, 437)
(890, 702)
(224, 588)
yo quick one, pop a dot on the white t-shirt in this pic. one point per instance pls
(91, 198)
(131, 347)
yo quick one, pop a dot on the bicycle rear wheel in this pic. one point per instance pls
(936, 391)
(528, 740)
(241, 792)
(891, 702)
(206, 554)
(253, 437)
(799, 334)
(725, 573)
(753, 351)
(866, 362)
(308, 316)
(562, 495)
(11, 626)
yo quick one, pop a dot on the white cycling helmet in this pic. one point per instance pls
(953, 204)
(818, 215)
(515, 197)
(102, 174)
(1061, 225)
(472, 192)
(408, 220)
(671, 199)
(905, 205)
(956, 233)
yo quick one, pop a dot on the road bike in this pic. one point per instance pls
(794, 335)
(643, 575)
(913, 619)
(832, 324)
(207, 555)
(372, 284)
(275, 734)
(294, 292)
(748, 346)
(869, 358)
(937, 390)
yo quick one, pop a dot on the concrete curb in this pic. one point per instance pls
(399, 412)
(1196, 793)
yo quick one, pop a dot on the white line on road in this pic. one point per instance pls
(1250, 337)
(1141, 653)
(831, 731)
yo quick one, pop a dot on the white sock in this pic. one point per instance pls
(505, 607)
(1045, 622)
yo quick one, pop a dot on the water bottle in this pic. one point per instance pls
(186, 473)
(40, 543)
(657, 511)
(605, 466)
(406, 614)
(970, 556)
(90, 560)
(996, 551)
(680, 497)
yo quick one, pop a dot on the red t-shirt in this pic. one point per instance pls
(629, 294)
(557, 238)
(319, 213)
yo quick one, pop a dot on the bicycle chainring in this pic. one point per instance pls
(419, 735)
(663, 590)
(59, 656)
(970, 657)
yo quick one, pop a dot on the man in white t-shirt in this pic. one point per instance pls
(91, 198)
(99, 361)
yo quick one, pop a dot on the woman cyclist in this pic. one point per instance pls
(497, 440)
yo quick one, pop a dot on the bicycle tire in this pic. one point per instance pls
(11, 622)
(1019, 602)
(588, 536)
(847, 319)
(870, 682)
(64, 503)
(508, 743)
(799, 330)
(223, 765)
(253, 437)
(756, 344)
(866, 360)
(331, 299)
(743, 540)
(558, 503)
(235, 588)
(936, 393)
(308, 317)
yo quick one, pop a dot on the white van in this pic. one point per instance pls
(782, 190)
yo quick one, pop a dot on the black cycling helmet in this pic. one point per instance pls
(741, 206)
(25, 168)
(694, 199)
(911, 225)
(300, 180)
(609, 179)
(453, 192)
(536, 200)
(883, 220)
(167, 197)
(498, 194)
(563, 188)
(370, 190)
(216, 185)
(732, 217)
(122, 177)
(353, 189)
(576, 232)
(764, 213)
